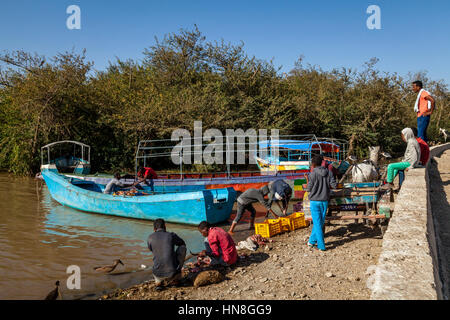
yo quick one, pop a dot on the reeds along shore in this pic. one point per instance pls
(185, 78)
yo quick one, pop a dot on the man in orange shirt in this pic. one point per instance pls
(424, 106)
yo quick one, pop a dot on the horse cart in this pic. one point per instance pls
(355, 201)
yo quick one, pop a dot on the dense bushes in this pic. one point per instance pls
(184, 78)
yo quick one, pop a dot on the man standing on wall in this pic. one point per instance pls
(424, 106)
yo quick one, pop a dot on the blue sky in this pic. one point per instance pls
(415, 35)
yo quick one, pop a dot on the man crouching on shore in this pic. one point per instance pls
(219, 245)
(167, 263)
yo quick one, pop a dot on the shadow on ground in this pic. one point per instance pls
(246, 259)
(352, 232)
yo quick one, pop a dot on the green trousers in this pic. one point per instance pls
(394, 168)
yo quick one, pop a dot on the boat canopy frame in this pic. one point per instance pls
(303, 149)
(158, 148)
(82, 145)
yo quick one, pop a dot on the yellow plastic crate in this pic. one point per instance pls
(285, 223)
(268, 228)
(297, 220)
(275, 225)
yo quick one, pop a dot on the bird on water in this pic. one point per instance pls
(54, 294)
(110, 268)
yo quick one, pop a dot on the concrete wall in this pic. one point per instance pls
(407, 268)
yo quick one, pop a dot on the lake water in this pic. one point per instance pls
(39, 239)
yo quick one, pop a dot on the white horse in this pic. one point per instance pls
(364, 172)
(367, 171)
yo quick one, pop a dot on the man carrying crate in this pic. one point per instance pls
(245, 201)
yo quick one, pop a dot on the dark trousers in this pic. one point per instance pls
(241, 209)
(422, 126)
(401, 177)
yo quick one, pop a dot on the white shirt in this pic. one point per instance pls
(113, 185)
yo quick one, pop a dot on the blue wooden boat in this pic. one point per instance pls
(296, 154)
(181, 207)
(182, 181)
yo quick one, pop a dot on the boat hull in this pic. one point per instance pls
(190, 208)
(238, 183)
(270, 167)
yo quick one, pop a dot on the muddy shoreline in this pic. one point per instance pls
(287, 269)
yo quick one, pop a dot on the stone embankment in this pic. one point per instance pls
(411, 263)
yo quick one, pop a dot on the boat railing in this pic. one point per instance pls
(225, 147)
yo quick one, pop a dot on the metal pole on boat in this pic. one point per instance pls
(135, 169)
(332, 149)
(228, 159)
(181, 165)
(277, 160)
(136, 161)
(227, 155)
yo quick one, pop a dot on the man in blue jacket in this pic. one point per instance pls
(280, 192)
(320, 182)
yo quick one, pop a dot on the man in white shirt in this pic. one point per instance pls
(424, 107)
(115, 184)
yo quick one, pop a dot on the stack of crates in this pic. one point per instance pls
(272, 227)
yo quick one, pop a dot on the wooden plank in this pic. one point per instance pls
(348, 193)
(362, 185)
(375, 216)
(347, 207)
(355, 199)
